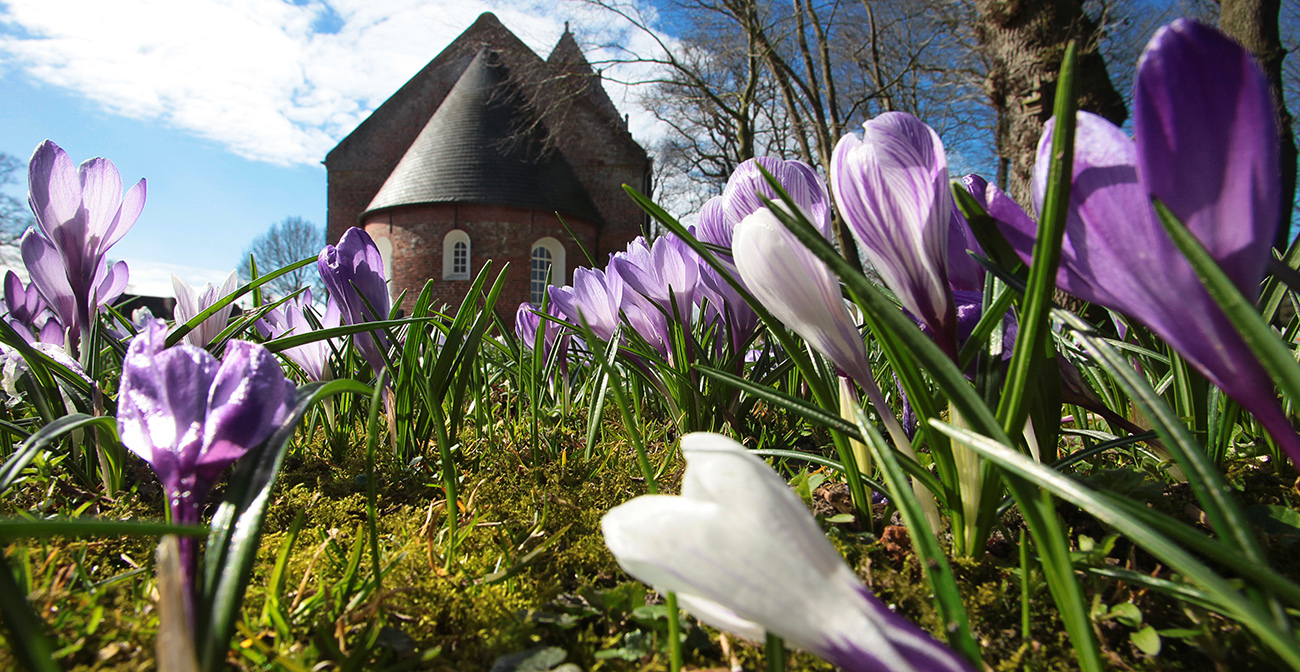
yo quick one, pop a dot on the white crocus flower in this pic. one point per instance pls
(189, 304)
(743, 554)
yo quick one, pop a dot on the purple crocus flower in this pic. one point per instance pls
(740, 198)
(1205, 145)
(964, 274)
(290, 319)
(595, 296)
(527, 321)
(646, 319)
(664, 273)
(744, 555)
(190, 416)
(28, 314)
(892, 188)
(80, 213)
(353, 272)
(721, 296)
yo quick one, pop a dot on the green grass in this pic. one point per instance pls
(437, 613)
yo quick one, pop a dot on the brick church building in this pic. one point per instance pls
(489, 152)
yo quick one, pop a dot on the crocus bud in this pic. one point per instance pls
(353, 273)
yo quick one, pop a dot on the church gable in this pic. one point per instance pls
(490, 153)
(400, 118)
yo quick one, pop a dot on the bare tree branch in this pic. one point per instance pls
(290, 240)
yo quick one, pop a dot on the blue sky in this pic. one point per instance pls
(227, 107)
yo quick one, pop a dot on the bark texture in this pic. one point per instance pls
(1254, 24)
(1024, 42)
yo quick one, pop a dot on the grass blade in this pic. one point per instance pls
(31, 646)
(45, 439)
(946, 596)
(1233, 603)
(236, 528)
(1027, 357)
(1277, 359)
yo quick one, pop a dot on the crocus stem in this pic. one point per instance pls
(970, 480)
(187, 514)
(904, 445)
(674, 634)
(848, 402)
(775, 650)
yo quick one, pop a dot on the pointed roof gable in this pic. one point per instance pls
(567, 59)
(406, 111)
(479, 147)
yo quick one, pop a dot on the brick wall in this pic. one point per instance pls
(498, 233)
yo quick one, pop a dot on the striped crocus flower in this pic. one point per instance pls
(891, 186)
(741, 197)
(189, 303)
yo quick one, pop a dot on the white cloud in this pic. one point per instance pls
(154, 278)
(271, 80)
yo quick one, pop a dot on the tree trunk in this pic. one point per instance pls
(1025, 43)
(1254, 24)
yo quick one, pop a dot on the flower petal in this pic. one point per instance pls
(15, 296)
(892, 188)
(162, 402)
(964, 273)
(101, 196)
(712, 225)
(112, 284)
(46, 269)
(1203, 105)
(353, 272)
(54, 190)
(720, 617)
(799, 290)
(187, 304)
(132, 205)
(740, 198)
(248, 399)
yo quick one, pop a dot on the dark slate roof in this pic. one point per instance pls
(476, 149)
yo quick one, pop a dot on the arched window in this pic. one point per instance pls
(547, 255)
(455, 255)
